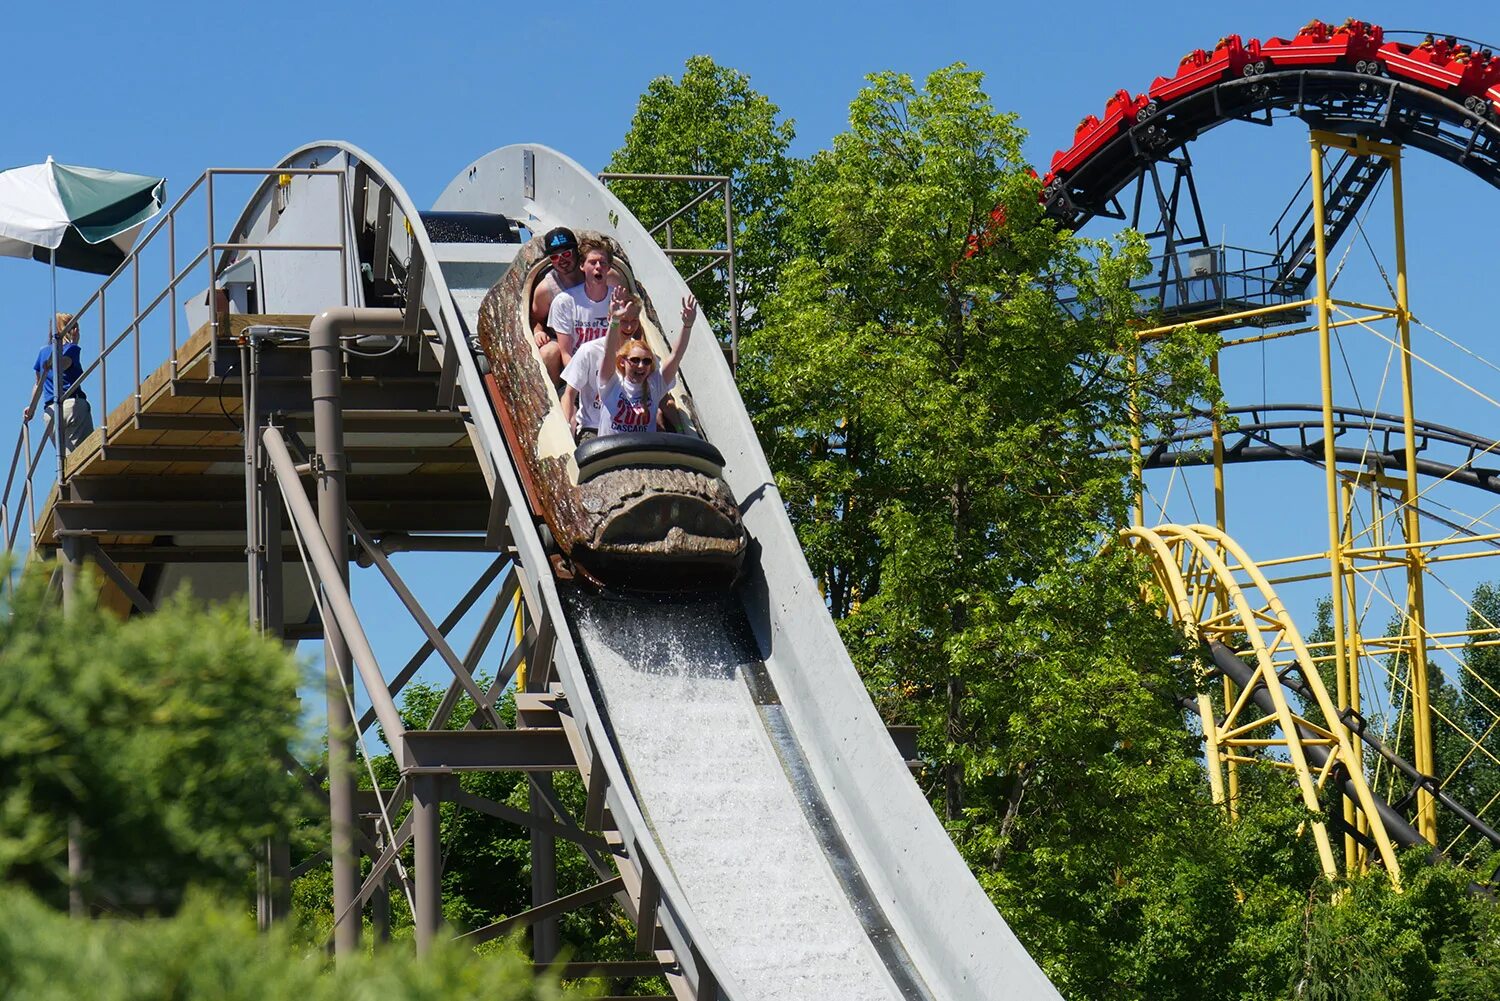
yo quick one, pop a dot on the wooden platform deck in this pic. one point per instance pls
(162, 481)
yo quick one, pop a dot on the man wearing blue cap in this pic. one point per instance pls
(562, 248)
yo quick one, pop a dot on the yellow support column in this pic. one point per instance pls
(1230, 791)
(1333, 490)
(518, 627)
(1421, 709)
(1137, 473)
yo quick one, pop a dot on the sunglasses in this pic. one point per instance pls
(639, 362)
(558, 254)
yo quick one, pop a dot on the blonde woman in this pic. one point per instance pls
(631, 388)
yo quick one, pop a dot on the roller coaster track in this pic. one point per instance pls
(1294, 431)
(1333, 99)
(1232, 609)
(745, 806)
(1225, 604)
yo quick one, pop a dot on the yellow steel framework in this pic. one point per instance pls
(1207, 600)
(1217, 592)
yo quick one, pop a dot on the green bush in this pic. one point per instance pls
(207, 952)
(163, 738)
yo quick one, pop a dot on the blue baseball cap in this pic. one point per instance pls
(560, 240)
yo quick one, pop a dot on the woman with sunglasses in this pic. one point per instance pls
(631, 389)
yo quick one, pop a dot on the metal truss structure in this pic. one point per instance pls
(1270, 697)
(323, 411)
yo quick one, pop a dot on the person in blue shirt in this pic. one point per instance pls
(77, 418)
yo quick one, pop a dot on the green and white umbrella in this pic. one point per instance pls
(80, 218)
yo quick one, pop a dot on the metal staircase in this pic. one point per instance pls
(1350, 183)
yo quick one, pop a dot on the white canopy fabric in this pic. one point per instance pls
(31, 210)
(84, 218)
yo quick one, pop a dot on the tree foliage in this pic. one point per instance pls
(163, 739)
(712, 121)
(934, 416)
(210, 953)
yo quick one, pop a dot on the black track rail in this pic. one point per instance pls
(1294, 431)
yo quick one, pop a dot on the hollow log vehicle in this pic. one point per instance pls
(640, 512)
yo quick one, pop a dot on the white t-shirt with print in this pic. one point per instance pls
(582, 373)
(575, 314)
(622, 411)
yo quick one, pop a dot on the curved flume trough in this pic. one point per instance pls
(782, 714)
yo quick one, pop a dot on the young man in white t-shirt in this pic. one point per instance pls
(630, 388)
(581, 313)
(580, 398)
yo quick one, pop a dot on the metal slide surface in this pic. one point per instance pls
(748, 774)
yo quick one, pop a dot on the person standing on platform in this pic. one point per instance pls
(77, 418)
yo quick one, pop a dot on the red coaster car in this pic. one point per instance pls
(1457, 70)
(1355, 44)
(1199, 69)
(1093, 132)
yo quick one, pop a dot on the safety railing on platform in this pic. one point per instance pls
(150, 328)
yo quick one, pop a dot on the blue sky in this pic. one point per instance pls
(179, 87)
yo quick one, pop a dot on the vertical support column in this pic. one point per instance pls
(1416, 559)
(1137, 474)
(734, 302)
(380, 900)
(338, 668)
(273, 900)
(545, 937)
(1347, 681)
(1333, 493)
(255, 499)
(426, 830)
(1229, 795)
(77, 869)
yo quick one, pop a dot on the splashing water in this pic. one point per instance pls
(719, 800)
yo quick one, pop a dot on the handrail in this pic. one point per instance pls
(131, 331)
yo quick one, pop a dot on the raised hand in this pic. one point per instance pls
(619, 303)
(689, 311)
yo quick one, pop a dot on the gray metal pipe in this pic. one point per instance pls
(1397, 826)
(331, 466)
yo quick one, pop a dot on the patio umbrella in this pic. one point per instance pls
(81, 218)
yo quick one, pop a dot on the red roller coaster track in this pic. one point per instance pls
(1440, 94)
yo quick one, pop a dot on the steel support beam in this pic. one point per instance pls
(443, 751)
(547, 912)
(426, 832)
(330, 464)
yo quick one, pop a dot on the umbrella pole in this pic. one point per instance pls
(56, 339)
(68, 550)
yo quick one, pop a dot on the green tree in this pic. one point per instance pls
(712, 122)
(934, 417)
(209, 952)
(162, 739)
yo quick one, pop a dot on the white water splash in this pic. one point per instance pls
(723, 809)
